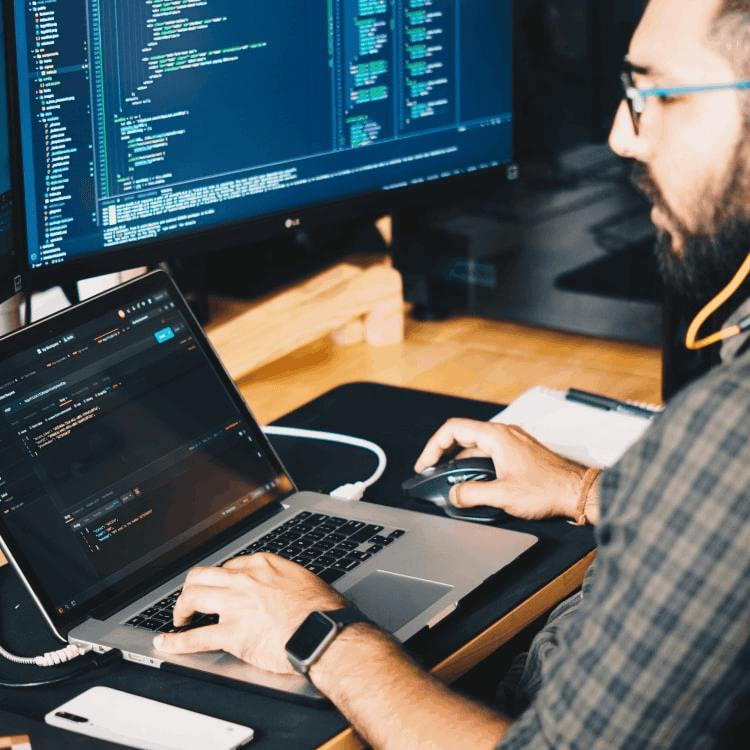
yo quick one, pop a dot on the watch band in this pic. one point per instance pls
(316, 633)
(346, 616)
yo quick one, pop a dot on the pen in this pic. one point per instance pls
(609, 404)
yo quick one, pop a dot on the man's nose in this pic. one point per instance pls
(623, 139)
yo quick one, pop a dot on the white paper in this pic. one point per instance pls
(591, 436)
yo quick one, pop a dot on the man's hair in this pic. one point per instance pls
(731, 35)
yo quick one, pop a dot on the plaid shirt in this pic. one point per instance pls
(657, 654)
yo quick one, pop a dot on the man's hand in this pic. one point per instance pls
(260, 599)
(532, 481)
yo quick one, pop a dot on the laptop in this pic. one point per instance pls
(127, 456)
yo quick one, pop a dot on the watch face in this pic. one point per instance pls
(309, 636)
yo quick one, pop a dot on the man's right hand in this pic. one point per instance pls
(532, 481)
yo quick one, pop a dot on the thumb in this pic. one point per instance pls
(471, 494)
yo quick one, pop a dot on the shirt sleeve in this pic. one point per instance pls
(658, 653)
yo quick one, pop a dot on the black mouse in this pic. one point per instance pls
(434, 483)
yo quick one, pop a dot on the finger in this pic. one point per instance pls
(208, 638)
(454, 432)
(206, 576)
(257, 562)
(470, 453)
(471, 494)
(210, 600)
(248, 563)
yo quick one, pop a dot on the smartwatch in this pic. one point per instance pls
(316, 633)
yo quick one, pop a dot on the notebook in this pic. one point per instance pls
(127, 456)
(588, 434)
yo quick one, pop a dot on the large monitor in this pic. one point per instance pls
(150, 129)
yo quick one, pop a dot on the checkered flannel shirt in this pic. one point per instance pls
(658, 653)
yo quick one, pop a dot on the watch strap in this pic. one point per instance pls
(346, 616)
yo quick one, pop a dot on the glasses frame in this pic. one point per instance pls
(636, 97)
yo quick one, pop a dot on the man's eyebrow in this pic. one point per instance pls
(643, 70)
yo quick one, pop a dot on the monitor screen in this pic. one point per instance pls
(158, 127)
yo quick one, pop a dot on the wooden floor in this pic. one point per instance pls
(461, 356)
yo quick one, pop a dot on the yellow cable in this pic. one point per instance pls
(714, 305)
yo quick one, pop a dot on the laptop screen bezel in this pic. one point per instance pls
(136, 584)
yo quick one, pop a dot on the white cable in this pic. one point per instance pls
(354, 490)
(48, 659)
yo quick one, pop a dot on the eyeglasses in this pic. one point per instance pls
(636, 98)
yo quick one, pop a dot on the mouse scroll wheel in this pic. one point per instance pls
(468, 477)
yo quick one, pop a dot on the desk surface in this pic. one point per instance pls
(400, 420)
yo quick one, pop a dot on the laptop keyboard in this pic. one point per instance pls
(329, 546)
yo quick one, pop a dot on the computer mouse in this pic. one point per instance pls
(435, 482)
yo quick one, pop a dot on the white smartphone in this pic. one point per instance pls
(146, 724)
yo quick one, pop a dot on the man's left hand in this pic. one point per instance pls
(260, 599)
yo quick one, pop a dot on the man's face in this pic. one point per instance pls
(692, 158)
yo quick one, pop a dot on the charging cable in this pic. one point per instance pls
(353, 490)
(91, 662)
(48, 659)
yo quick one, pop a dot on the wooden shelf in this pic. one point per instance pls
(354, 301)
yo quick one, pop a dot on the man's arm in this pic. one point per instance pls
(261, 600)
(392, 703)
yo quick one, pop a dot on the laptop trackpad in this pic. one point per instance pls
(392, 600)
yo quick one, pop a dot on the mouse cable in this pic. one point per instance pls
(95, 662)
(354, 490)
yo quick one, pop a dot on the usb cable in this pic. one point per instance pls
(353, 490)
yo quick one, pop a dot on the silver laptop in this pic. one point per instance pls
(127, 456)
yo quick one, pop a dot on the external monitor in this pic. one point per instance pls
(151, 129)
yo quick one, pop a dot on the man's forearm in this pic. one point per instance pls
(392, 703)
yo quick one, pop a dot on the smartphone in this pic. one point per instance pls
(146, 724)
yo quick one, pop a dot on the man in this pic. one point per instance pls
(657, 651)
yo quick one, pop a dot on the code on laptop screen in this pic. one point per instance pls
(119, 444)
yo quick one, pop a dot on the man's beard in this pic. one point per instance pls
(712, 255)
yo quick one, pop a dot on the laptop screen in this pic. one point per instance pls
(122, 445)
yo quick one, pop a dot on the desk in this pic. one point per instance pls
(400, 420)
